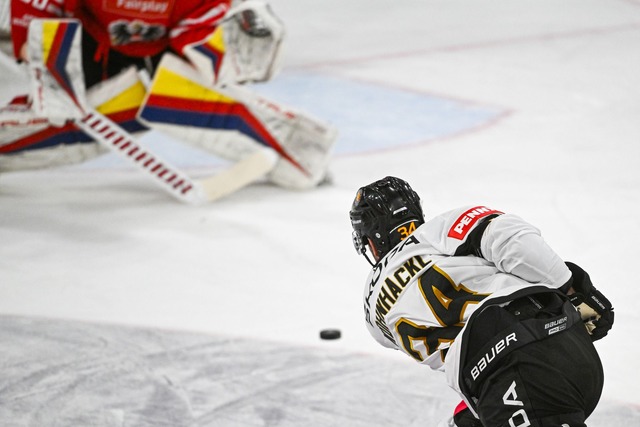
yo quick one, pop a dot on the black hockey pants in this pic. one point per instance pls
(555, 381)
(99, 64)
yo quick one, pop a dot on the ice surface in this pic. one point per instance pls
(121, 307)
(73, 373)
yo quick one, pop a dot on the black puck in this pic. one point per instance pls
(330, 334)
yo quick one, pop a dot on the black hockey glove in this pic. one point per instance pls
(595, 309)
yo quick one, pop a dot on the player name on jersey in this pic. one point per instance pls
(393, 286)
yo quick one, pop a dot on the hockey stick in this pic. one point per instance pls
(55, 67)
(241, 174)
(112, 136)
(176, 182)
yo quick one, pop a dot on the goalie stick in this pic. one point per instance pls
(54, 59)
(177, 183)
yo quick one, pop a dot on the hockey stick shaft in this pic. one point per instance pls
(109, 134)
(241, 174)
(176, 182)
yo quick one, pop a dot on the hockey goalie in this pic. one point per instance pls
(179, 67)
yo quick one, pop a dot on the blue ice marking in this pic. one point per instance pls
(370, 116)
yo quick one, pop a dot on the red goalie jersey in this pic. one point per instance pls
(132, 27)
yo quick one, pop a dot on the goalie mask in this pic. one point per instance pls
(382, 215)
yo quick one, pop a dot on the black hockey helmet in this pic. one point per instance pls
(383, 214)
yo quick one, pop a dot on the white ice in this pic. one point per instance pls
(530, 106)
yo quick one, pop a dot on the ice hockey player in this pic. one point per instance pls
(478, 294)
(199, 56)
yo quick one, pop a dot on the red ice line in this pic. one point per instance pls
(479, 45)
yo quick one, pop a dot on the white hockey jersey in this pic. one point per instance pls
(419, 296)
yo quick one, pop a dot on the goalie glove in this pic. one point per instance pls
(595, 309)
(245, 46)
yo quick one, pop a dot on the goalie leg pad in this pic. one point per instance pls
(29, 141)
(303, 142)
(55, 69)
(233, 122)
(180, 104)
(50, 157)
(309, 144)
